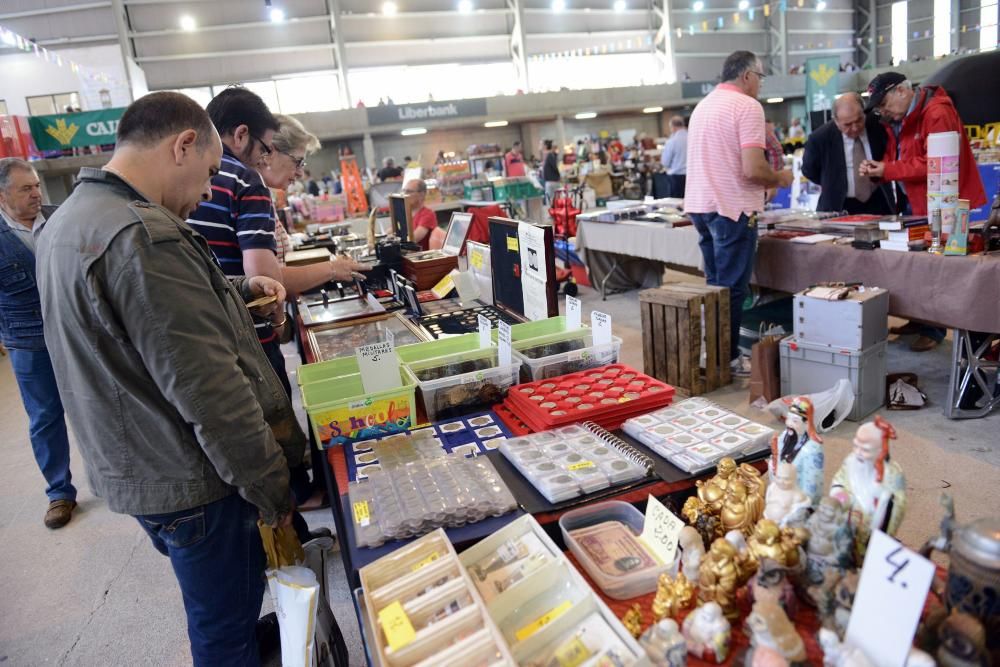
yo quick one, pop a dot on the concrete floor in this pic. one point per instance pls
(96, 592)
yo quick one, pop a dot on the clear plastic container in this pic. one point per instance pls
(639, 569)
(459, 384)
(564, 353)
(558, 487)
(620, 471)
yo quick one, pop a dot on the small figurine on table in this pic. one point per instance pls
(672, 596)
(786, 504)
(733, 498)
(632, 620)
(871, 485)
(664, 644)
(770, 627)
(772, 543)
(692, 551)
(708, 633)
(830, 542)
(723, 571)
(801, 446)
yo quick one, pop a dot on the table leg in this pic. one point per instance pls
(967, 367)
(607, 276)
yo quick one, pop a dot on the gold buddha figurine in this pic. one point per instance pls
(672, 596)
(735, 496)
(768, 541)
(632, 620)
(722, 572)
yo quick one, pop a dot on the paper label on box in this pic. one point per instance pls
(444, 287)
(503, 341)
(891, 593)
(425, 562)
(574, 310)
(661, 530)
(362, 513)
(512, 244)
(485, 332)
(396, 626)
(542, 621)
(601, 324)
(572, 653)
(582, 465)
(475, 258)
(379, 367)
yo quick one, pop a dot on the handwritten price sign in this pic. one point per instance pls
(661, 530)
(379, 367)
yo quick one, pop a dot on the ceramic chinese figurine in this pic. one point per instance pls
(830, 543)
(632, 620)
(840, 654)
(834, 599)
(664, 644)
(708, 633)
(871, 485)
(735, 497)
(785, 503)
(773, 543)
(770, 627)
(801, 446)
(672, 596)
(723, 571)
(692, 551)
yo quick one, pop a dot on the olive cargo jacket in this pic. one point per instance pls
(171, 396)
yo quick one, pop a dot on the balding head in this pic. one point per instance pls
(677, 123)
(849, 115)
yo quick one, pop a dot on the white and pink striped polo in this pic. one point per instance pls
(722, 125)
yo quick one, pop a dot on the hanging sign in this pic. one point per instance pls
(75, 130)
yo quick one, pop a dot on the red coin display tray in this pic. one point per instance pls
(599, 395)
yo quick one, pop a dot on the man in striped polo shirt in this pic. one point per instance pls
(238, 222)
(727, 175)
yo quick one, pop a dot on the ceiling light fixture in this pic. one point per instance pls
(698, 5)
(744, 5)
(413, 131)
(188, 23)
(620, 5)
(584, 115)
(558, 5)
(465, 6)
(821, 5)
(775, 100)
(389, 8)
(652, 110)
(277, 15)
(495, 123)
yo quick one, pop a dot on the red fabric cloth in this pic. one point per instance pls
(426, 218)
(479, 231)
(935, 112)
(514, 164)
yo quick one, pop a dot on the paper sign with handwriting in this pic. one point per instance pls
(503, 342)
(891, 594)
(574, 310)
(485, 332)
(379, 367)
(396, 625)
(390, 337)
(661, 530)
(601, 324)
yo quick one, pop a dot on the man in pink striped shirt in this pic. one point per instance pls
(727, 175)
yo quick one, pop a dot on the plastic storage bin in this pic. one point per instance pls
(457, 384)
(855, 323)
(545, 357)
(628, 584)
(808, 368)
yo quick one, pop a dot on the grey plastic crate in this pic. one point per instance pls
(807, 368)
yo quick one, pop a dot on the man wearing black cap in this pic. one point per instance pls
(912, 114)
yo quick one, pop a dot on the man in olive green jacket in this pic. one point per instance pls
(180, 418)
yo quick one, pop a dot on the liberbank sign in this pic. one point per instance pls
(395, 114)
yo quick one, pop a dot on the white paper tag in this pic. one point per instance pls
(485, 332)
(390, 337)
(661, 530)
(531, 240)
(503, 340)
(393, 285)
(536, 298)
(601, 324)
(891, 594)
(574, 310)
(379, 367)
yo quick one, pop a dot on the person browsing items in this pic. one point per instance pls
(21, 332)
(180, 419)
(727, 175)
(514, 161)
(424, 219)
(834, 154)
(674, 158)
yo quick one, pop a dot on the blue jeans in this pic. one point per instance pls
(46, 424)
(728, 247)
(219, 562)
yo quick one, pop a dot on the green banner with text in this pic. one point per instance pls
(75, 130)
(822, 84)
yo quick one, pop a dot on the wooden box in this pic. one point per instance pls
(428, 267)
(672, 336)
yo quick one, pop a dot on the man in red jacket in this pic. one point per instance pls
(911, 114)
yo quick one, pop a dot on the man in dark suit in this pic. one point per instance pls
(834, 154)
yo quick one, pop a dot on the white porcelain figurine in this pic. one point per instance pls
(785, 503)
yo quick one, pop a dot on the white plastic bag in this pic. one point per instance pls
(830, 407)
(295, 593)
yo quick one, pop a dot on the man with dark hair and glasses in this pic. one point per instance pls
(912, 114)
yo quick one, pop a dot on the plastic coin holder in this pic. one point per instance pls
(477, 422)
(546, 467)
(711, 413)
(557, 488)
(645, 421)
(590, 479)
(730, 441)
(363, 446)
(488, 432)
(519, 443)
(587, 440)
(600, 453)
(452, 427)
(682, 441)
(694, 404)
(706, 431)
(666, 414)
(544, 438)
(572, 431)
(731, 422)
(753, 430)
(704, 452)
(687, 422)
(621, 471)
(526, 457)
(568, 460)
(557, 449)
(494, 443)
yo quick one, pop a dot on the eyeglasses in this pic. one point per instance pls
(300, 162)
(265, 150)
(760, 74)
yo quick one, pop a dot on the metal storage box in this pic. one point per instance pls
(807, 368)
(855, 323)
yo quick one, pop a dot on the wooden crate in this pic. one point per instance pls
(671, 336)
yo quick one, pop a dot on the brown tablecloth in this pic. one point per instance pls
(953, 292)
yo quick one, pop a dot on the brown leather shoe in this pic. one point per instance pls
(923, 344)
(59, 513)
(906, 329)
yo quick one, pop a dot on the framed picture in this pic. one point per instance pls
(339, 340)
(340, 311)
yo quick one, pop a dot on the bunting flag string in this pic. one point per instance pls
(14, 40)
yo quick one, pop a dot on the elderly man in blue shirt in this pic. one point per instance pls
(674, 158)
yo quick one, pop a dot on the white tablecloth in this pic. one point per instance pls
(648, 240)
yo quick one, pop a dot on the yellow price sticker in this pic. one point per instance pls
(581, 465)
(512, 244)
(427, 561)
(362, 513)
(542, 621)
(572, 653)
(396, 625)
(476, 259)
